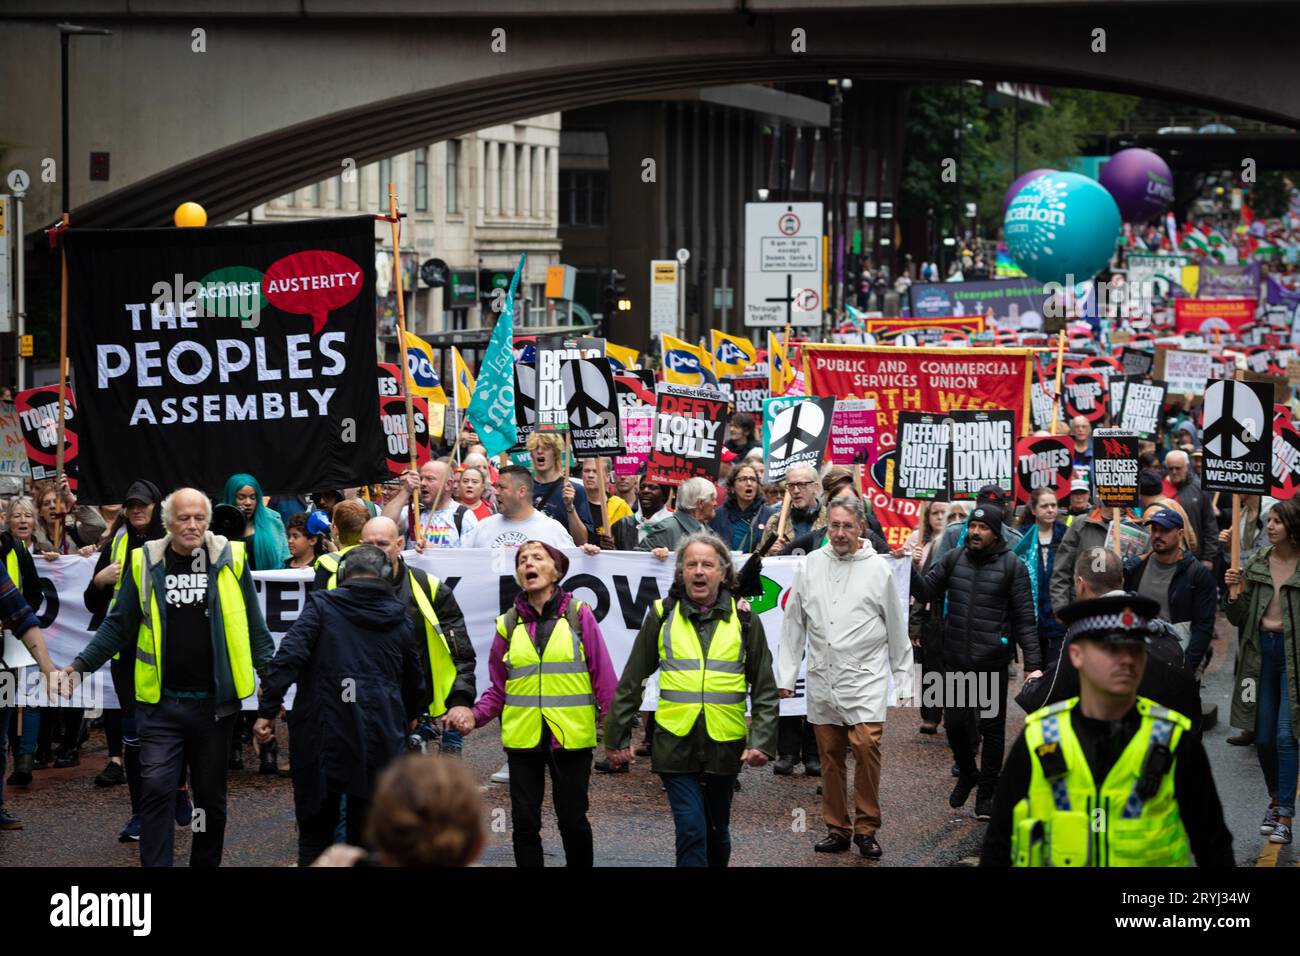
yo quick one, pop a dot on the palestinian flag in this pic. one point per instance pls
(1193, 241)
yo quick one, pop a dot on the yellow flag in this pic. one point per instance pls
(621, 358)
(463, 385)
(781, 372)
(684, 363)
(731, 353)
(421, 371)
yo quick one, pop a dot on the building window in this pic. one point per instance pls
(422, 180)
(385, 177)
(453, 176)
(582, 197)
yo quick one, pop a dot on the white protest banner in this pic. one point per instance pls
(619, 586)
(13, 450)
(1185, 373)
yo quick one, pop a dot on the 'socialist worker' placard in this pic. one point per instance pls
(1238, 437)
(924, 444)
(1115, 467)
(983, 452)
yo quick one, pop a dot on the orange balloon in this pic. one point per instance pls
(190, 214)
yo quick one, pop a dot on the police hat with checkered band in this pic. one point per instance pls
(1119, 618)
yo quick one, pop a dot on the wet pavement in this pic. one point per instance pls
(775, 820)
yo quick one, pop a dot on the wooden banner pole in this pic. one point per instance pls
(1117, 522)
(63, 379)
(401, 338)
(1235, 590)
(1060, 365)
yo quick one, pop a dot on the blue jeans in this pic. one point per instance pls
(1275, 740)
(701, 805)
(5, 713)
(26, 744)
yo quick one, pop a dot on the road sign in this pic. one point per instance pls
(25, 346)
(783, 264)
(663, 297)
(18, 181)
(435, 273)
(683, 256)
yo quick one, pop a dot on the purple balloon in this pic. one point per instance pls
(1141, 183)
(1019, 184)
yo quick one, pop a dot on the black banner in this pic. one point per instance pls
(1137, 361)
(983, 452)
(593, 406)
(924, 446)
(1142, 404)
(203, 352)
(1238, 439)
(1115, 467)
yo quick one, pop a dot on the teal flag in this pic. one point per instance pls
(492, 410)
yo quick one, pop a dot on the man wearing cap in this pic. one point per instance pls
(952, 535)
(1080, 502)
(1182, 587)
(1196, 505)
(988, 594)
(1108, 778)
(806, 512)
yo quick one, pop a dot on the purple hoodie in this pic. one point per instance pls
(603, 678)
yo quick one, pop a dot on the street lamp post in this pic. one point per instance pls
(66, 32)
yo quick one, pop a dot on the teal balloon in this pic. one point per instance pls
(1062, 227)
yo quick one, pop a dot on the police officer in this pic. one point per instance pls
(1107, 756)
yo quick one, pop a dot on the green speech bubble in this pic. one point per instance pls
(232, 292)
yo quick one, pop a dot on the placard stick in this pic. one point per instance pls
(63, 378)
(1060, 365)
(401, 338)
(785, 513)
(602, 502)
(1235, 590)
(1116, 521)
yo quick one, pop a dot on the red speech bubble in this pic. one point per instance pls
(312, 283)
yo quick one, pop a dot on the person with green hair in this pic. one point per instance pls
(264, 535)
(267, 547)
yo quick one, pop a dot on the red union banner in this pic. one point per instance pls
(925, 330)
(917, 380)
(1206, 315)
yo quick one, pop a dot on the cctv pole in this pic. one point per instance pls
(401, 328)
(22, 286)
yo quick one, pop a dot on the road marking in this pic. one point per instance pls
(1268, 854)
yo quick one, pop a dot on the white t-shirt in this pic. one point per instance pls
(498, 531)
(439, 527)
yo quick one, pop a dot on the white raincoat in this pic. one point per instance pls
(847, 613)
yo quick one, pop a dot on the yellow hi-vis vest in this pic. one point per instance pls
(119, 555)
(689, 682)
(555, 687)
(331, 560)
(234, 619)
(1059, 823)
(442, 668)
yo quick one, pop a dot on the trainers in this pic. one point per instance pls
(643, 750)
(9, 823)
(111, 776)
(604, 766)
(131, 832)
(784, 765)
(1281, 833)
(812, 767)
(984, 802)
(962, 790)
(1269, 823)
(502, 775)
(70, 759)
(184, 808)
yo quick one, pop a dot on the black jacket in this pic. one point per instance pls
(1193, 598)
(97, 599)
(30, 585)
(1203, 518)
(988, 595)
(360, 682)
(754, 517)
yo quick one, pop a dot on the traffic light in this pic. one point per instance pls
(614, 295)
